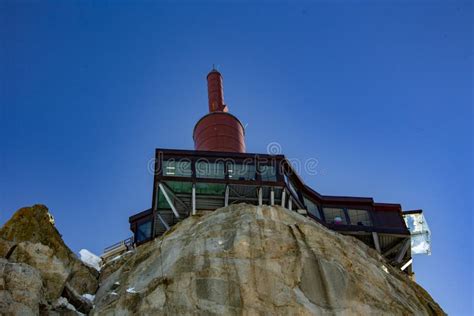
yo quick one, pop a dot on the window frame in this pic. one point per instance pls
(177, 162)
(243, 163)
(318, 207)
(148, 219)
(359, 209)
(345, 217)
(259, 172)
(208, 162)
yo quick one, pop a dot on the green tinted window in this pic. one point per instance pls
(162, 203)
(213, 170)
(268, 173)
(241, 171)
(180, 187)
(177, 168)
(210, 189)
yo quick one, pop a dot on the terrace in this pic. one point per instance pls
(188, 181)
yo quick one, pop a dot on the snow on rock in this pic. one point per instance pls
(89, 297)
(64, 303)
(131, 290)
(90, 259)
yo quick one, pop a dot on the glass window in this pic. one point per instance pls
(177, 168)
(162, 202)
(312, 207)
(268, 173)
(213, 170)
(334, 215)
(359, 217)
(241, 171)
(291, 186)
(210, 189)
(179, 187)
(143, 231)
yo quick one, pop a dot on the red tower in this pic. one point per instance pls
(218, 130)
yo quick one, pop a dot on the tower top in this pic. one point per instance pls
(218, 130)
(215, 90)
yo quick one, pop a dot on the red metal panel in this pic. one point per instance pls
(215, 92)
(219, 131)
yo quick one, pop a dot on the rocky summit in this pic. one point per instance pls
(38, 272)
(238, 260)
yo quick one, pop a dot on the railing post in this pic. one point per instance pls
(283, 198)
(194, 199)
(226, 197)
(375, 236)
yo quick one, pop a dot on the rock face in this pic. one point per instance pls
(33, 249)
(52, 270)
(252, 260)
(21, 289)
(237, 260)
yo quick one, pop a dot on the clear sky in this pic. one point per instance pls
(380, 94)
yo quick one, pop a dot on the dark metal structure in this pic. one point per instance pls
(219, 173)
(186, 181)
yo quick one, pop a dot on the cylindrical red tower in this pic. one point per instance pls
(218, 130)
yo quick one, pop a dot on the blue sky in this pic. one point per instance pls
(379, 93)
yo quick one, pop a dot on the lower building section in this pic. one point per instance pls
(186, 182)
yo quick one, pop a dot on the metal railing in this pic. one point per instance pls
(127, 243)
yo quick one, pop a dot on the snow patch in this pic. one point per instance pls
(116, 258)
(131, 290)
(63, 302)
(89, 297)
(90, 259)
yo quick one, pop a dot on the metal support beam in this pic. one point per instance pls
(375, 236)
(226, 197)
(272, 197)
(154, 212)
(290, 203)
(407, 264)
(283, 198)
(403, 251)
(393, 249)
(193, 197)
(162, 220)
(176, 198)
(162, 188)
(260, 196)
